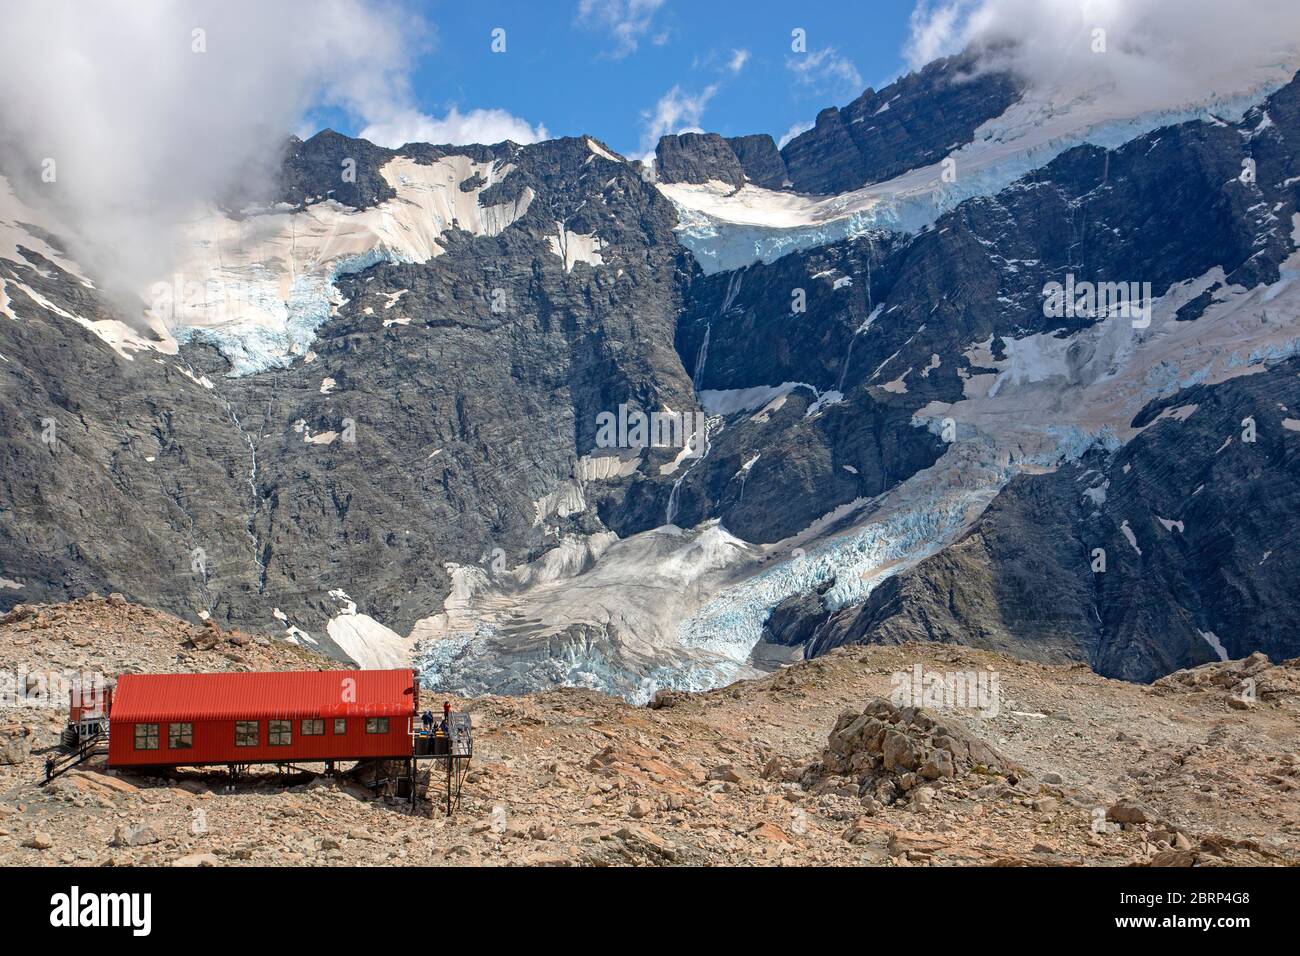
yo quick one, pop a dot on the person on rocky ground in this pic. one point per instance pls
(49, 767)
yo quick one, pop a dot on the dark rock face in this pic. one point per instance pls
(333, 166)
(1049, 572)
(461, 419)
(761, 160)
(697, 158)
(825, 159)
(794, 621)
(315, 170)
(471, 426)
(915, 121)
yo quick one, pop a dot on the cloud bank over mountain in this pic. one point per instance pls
(1156, 54)
(133, 114)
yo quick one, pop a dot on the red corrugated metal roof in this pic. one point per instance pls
(257, 695)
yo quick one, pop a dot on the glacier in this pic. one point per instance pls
(727, 229)
(253, 347)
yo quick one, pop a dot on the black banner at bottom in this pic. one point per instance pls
(138, 908)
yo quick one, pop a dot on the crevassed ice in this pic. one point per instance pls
(259, 287)
(252, 346)
(473, 665)
(727, 229)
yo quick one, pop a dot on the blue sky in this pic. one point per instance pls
(627, 71)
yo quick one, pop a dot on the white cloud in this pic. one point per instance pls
(792, 132)
(935, 31)
(826, 72)
(476, 126)
(626, 21)
(142, 126)
(676, 112)
(738, 60)
(1159, 54)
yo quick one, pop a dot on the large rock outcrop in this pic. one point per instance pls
(885, 751)
(697, 158)
(915, 121)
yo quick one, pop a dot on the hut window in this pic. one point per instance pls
(245, 733)
(180, 736)
(376, 725)
(279, 733)
(313, 727)
(340, 725)
(146, 736)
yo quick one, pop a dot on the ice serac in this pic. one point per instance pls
(592, 613)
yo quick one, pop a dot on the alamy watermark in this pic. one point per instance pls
(52, 689)
(1093, 300)
(632, 428)
(979, 691)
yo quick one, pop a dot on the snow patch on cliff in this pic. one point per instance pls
(573, 247)
(364, 640)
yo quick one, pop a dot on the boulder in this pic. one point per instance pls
(938, 765)
(887, 750)
(14, 746)
(770, 831)
(1173, 858)
(666, 698)
(134, 834)
(645, 839)
(1130, 812)
(899, 752)
(728, 774)
(39, 840)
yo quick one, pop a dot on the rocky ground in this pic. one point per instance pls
(811, 765)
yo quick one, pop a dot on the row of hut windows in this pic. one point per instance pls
(279, 733)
